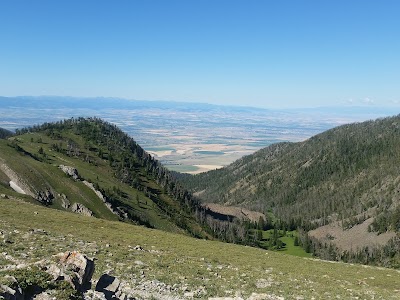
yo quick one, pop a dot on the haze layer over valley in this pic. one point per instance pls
(189, 137)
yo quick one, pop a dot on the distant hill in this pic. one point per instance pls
(4, 133)
(93, 168)
(347, 176)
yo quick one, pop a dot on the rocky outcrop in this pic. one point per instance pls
(75, 268)
(70, 270)
(97, 192)
(81, 209)
(101, 197)
(65, 202)
(45, 197)
(78, 208)
(70, 171)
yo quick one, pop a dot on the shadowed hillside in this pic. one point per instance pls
(4, 133)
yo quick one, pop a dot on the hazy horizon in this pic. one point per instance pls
(189, 137)
(260, 53)
(345, 105)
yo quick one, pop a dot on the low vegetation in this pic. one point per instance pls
(154, 264)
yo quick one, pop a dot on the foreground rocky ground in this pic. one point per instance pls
(132, 262)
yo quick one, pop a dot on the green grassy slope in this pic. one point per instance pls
(96, 150)
(343, 171)
(217, 268)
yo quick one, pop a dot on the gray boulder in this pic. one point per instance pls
(76, 268)
(110, 287)
(81, 209)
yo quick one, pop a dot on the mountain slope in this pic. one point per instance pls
(91, 167)
(348, 174)
(153, 264)
(4, 133)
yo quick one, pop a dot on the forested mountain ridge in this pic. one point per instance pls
(91, 167)
(348, 174)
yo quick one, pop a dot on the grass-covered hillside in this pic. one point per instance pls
(91, 167)
(343, 171)
(153, 264)
(348, 175)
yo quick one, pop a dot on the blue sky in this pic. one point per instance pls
(260, 53)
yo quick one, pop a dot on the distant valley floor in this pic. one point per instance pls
(188, 137)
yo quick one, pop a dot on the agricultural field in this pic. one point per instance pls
(187, 137)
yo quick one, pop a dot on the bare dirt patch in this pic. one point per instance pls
(353, 238)
(235, 211)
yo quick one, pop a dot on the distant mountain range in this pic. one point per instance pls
(51, 102)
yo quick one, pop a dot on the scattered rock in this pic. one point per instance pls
(4, 196)
(255, 296)
(38, 231)
(93, 295)
(71, 267)
(189, 294)
(139, 263)
(81, 209)
(44, 296)
(226, 298)
(263, 283)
